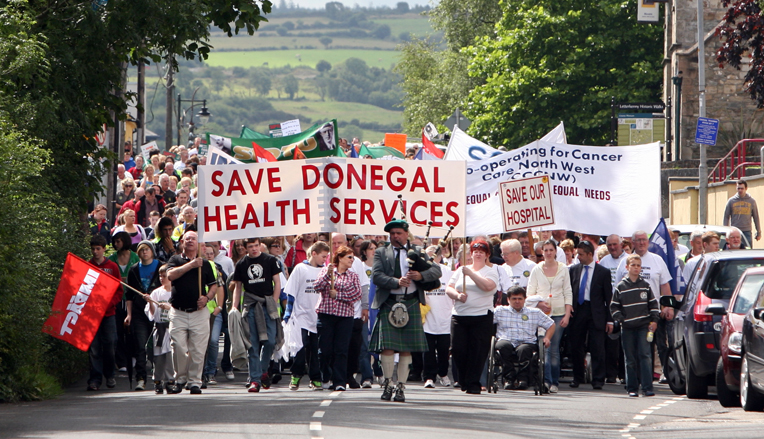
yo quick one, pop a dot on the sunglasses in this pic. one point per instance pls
(539, 255)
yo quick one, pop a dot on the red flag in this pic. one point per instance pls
(430, 147)
(261, 154)
(298, 154)
(83, 295)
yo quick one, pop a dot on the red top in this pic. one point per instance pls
(111, 267)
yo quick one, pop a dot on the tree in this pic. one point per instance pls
(291, 86)
(334, 9)
(323, 66)
(741, 35)
(326, 41)
(404, 36)
(288, 25)
(282, 31)
(260, 80)
(402, 7)
(558, 60)
(381, 32)
(461, 21)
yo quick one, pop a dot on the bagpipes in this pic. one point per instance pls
(418, 260)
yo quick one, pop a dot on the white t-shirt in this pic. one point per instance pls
(300, 286)
(225, 262)
(438, 320)
(612, 264)
(517, 274)
(360, 269)
(689, 267)
(654, 271)
(478, 302)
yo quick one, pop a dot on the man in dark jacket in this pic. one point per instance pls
(149, 203)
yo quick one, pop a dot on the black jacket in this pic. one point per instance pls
(134, 280)
(600, 295)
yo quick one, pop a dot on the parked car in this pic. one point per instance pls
(752, 365)
(728, 367)
(685, 230)
(692, 358)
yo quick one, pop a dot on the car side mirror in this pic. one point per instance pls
(716, 309)
(757, 313)
(669, 301)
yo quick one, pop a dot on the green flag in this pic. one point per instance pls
(247, 133)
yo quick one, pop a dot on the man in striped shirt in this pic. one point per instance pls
(636, 308)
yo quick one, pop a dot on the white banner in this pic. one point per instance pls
(216, 156)
(463, 147)
(352, 196)
(557, 135)
(595, 190)
(526, 203)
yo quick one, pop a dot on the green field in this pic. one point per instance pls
(416, 26)
(255, 42)
(317, 110)
(279, 58)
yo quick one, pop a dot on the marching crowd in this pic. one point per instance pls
(393, 308)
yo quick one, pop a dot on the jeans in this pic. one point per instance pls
(364, 359)
(309, 354)
(552, 361)
(436, 359)
(213, 347)
(664, 337)
(333, 342)
(638, 354)
(749, 236)
(101, 351)
(259, 354)
(141, 330)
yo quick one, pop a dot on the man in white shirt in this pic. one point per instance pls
(710, 241)
(222, 260)
(437, 327)
(613, 260)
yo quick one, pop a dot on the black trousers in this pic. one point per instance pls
(436, 359)
(582, 334)
(511, 355)
(333, 342)
(354, 350)
(308, 354)
(470, 343)
(417, 366)
(614, 363)
(140, 330)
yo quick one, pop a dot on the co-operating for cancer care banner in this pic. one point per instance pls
(352, 196)
(596, 190)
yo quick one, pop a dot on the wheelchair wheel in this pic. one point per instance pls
(540, 388)
(491, 384)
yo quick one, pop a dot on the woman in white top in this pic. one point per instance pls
(551, 279)
(472, 317)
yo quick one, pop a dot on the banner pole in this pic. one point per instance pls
(144, 295)
(199, 255)
(464, 264)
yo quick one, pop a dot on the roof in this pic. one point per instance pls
(727, 255)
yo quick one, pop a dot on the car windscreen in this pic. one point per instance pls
(747, 294)
(725, 274)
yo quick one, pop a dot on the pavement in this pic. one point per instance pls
(226, 410)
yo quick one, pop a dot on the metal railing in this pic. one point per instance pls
(734, 164)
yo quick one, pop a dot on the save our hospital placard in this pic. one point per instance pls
(526, 203)
(352, 196)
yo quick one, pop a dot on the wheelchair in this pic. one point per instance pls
(497, 375)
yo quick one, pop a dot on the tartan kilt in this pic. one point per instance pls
(410, 338)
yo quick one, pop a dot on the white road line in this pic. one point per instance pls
(663, 405)
(655, 407)
(315, 426)
(325, 403)
(639, 417)
(646, 412)
(318, 414)
(335, 394)
(633, 425)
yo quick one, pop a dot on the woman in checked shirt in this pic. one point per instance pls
(335, 316)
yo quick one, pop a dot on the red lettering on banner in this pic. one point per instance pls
(337, 216)
(376, 177)
(283, 204)
(304, 211)
(414, 207)
(316, 176)
(436, 179)
(359, 179)
(389, 213)
(273, 179)
(266, 222)
(235, 184)
(367, 208)
(230, 215)
(340, 175)
(350, 210)
(454, 216)
(218, 191)
(254, 185)
(419, 181)
(211, 218)
(401, 181)
(250, 217)
(436, 212)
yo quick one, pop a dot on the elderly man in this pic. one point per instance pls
(734, 240)
(710, 241)
(168, 195)
(696, 245)
(122, 175)
(189, 216)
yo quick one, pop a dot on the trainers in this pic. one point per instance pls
(340, 388)
(399, 396)
(316, 385)
(294, 383)
(508, 386)
(204, 383)
(457, 385)
(444, 381)
(158, 388)
(141, 385)
(254, 387)
(366, 384)
(266, 381)
(122, 369)
(553, 389)
(353, 384)
(195, 390)
(662, 379)
(327, 385)
(387, 393)
(211, 380)
(173, 388)
(634, 394)
(649, 393)
(92, 387)
(429, 384)
(111, 382)
(229, 375)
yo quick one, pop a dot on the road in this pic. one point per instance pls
(228, 411)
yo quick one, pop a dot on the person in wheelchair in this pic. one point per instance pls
(516, 339)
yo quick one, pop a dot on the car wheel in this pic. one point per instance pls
(750, 398)
(727, 398)
(696, 386)
(673, 374)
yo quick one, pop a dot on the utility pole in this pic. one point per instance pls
(170, 89)
(703, 168)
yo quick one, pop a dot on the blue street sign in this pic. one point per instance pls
(706, 131)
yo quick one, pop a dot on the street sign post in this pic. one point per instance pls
(526, 203)
(458, 119)
(706, 131)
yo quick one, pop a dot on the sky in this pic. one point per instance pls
(349, 3)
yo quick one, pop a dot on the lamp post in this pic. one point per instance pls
(204, 114)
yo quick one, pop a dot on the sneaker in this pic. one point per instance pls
(111, 382)
(366, 384)
(254, 387)
(266, 381)
(195, 390)
(429, 384)
(649, 393)
(294, 383)
(508, 386)
(553, 389)
(122, 369)
(211, 380)
(353, 384)
(158, 388)
(327, 385)
(141, 385)
(340, 388)
(173, 388)
(316, 385)
(229, 375)
(399, 396)
(444, 381)
(387, 393)
(457, 385)
(662, 380)
(92, 387)
(204, 383)
(275, 378)
(186, 386)
(634, 394)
